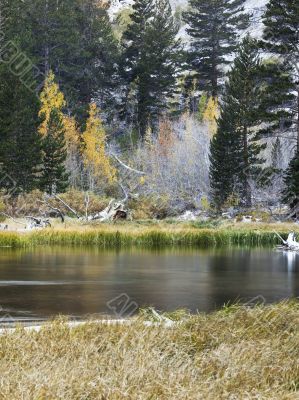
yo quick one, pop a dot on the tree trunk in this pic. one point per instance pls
(47, 46)
(246, 187)
(297, 122)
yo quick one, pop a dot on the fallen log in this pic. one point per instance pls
(289, 244)
(116, 210)
(37, 223)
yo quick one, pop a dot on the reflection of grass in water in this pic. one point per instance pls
(241, 354)
(159, 235)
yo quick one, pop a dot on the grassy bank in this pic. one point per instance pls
(151, 235)
(237, 353)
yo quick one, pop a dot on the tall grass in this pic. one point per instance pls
(240, 353)
(114, 237)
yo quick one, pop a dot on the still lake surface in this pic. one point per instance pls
(80, 282)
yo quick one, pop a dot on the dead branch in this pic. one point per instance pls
(67, 206)
(86, 202)
(55, 209)
(136, 171)
(291, 242)
(38, 222)
(12, 218)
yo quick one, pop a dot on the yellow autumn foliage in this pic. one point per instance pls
(72, 135)
(148, 138)
(51, 98)
(211, 114)
(93, 151)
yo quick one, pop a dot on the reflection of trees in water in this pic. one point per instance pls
(230, 274)
(86, 279)
(291, 265)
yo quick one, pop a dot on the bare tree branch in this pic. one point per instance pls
(67, 206)
(126, 166)
(14, 220)
(57, 210)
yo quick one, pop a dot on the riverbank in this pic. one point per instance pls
(236, 353)
(150, 234)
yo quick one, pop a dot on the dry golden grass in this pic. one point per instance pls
(150, 234)
(237, 353)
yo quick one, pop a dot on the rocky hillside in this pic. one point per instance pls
(254, 7)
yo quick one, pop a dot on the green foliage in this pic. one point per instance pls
(149, 238)
(214, 27)
(74, 38)
(54, 178)
(235, 149)
(20, 152)
(281, 39)
(291, 192)
(149, 62)
(205, 204)
(202, 105)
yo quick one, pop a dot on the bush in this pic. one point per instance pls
(77, 200)
(2, 209)
(33, 203)
(157, 207)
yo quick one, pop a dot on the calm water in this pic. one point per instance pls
(40, 283)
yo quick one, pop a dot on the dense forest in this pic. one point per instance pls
(175, 108)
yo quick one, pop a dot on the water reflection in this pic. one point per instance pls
(78, 281)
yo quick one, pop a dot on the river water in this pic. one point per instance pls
(80, 282)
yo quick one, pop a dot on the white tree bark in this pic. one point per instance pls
(291, 242)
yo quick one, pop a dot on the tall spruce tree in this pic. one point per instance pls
(281, 38)
(54, 178)
(97, 70)
(291, 191)
(235, 149)
(52, 132)
(225, 156)
(133, 39)
(150, 61)
(20, 151)
(74, 39)
(214, 27)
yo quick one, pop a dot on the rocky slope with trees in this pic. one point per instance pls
(170, 105)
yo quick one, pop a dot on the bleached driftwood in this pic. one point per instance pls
(291, 242)
(116, 210)
(187, 216)
(158, 318)
(37, 223)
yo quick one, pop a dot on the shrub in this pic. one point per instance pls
(150, 207)
(2, 209)
(33, 203)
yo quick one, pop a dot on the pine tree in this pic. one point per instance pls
(97, 70)
(214, 27)
(276, 156)
(74, 39)
(133, 39)
(236, 148)
(280, 38)
(291, 192)
(20, 152)
(150, 61)
(225, 156)
(54, 178)
(52, 131)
